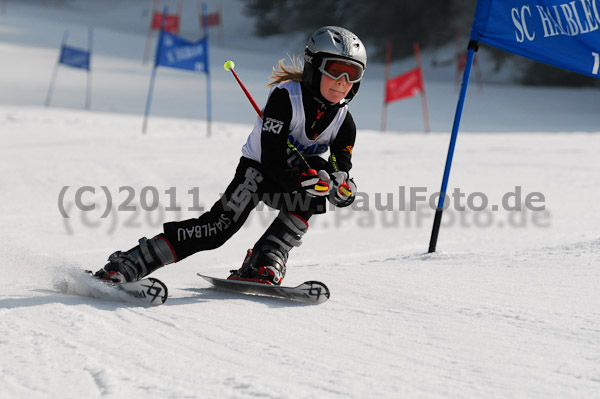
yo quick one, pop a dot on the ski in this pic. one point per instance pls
(149, 291)
(313, 292)
(146, 292)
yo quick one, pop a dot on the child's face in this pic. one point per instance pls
(334, 90)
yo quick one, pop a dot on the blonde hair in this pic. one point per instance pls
(283, 72)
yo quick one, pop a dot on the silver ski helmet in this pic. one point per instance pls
(332, 42)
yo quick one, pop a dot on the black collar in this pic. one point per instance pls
(318, 99)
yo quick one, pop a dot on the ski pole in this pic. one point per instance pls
(229, 65)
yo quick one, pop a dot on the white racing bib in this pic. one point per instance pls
(297, 135)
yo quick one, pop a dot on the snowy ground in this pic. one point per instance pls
(507, 308)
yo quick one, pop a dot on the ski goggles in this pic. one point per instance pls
(335, 68)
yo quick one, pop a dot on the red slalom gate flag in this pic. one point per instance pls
(171, 22)
(213, 19)
(408, 84)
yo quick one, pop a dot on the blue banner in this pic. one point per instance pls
(562, 33)
(175, 52)
(74, 57)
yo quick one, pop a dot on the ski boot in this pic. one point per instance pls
(138, 262)
(265, 263)
(272, 274)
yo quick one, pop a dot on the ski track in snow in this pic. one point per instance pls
(507, 308)
(472, 327)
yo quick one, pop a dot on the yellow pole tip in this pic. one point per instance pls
(229, 65)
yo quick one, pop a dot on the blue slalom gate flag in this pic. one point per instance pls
(175, 52)
(563, 33)
(74, 57)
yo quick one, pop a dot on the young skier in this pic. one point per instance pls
(305, 116)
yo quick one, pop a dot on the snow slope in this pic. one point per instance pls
(507, 307)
